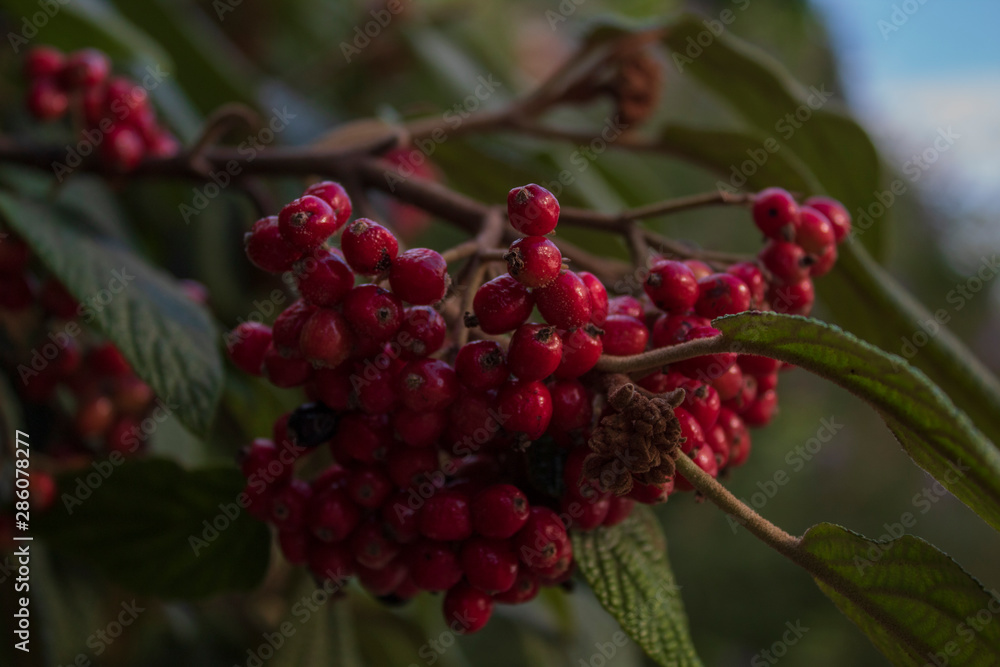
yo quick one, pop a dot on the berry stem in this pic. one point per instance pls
(663, 356)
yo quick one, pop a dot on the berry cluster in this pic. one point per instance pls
(112, 112)
(439, 466)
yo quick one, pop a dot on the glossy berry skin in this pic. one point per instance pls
(481, 365)
(624, 336)
(285, 369)
(532, 210)
(326, 338)
(46, 100)
(369, 486)
(467, 609)
(122, 148)
(761, 411)
(753, 278)
(534, 261)
(619, 509)
(502, 305)
(572, 405)
(287, 327)
(776, 214)
(525, 589)
(373, 312)
(757, 365)
(434, 566)
(499, 511)
(323, 278)
(427, 384)
(418, 428)
(730, 384)
(332, 515)
(650, 494)
(409, 466)
(699, 268)
(85, 69)
(289, 505)
(815, 232)
(690, 429)
(721, 294)
(582, 348)
(539, 542)
(489, 565)
(43, 61)
(598, 297)
(835, 212)
(704, 458)
(793, 299)
(372, 546)
(422, 332)
(672, 286)
(247, 344)
(786, 261)
(266, 249)
(369, 247)
(386, 579)
(737, 436)
(566, 302)
(535, 352)
(306, 222)
(336, 198)
(419, 276)
(824, 262)
(529, 406)
(626, 305)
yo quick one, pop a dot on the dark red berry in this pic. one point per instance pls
(433, 566)
(525, 589)
(399, 514)
(372, 545)
(582, 348)
(672, 286)
(721, 294)
(572, 406)
(419, 276)
(418, 428)
(289, 505)
(489, 565)
(422, 332)
(85, 69)
(793, 299)
(539, 542)
(287, 328)
(502, 305)
(332, 515)
(427, 384)
(535, 352)
(122, 148)
(753, 278)
(699, 268)
(306, 222)
(527, 407)
(326, 338)
(247, 344)
(410, 466)
(691, 430)
(776, 214)
(336, 198)
(46, 100)
(730, 383)
(835, 213)
(481, 365)
(369, 247)
(284, 368)
(756, 365)
(624, 336)
(626, 305)
(467, 609)
(499, 511)
(566, 302)
(14, 255)
(619, 509)
(534, 261)
(266, 249)
(786, 261)
(373, 312)
(331, 562)
(598, 297)
(369, 486)
(294, 546)
(384, 580)
(532, 210)
(323, 278)
(761, 411)
(704, 458)
(43, 61)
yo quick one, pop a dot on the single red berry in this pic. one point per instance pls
(704, 458)
(287, 327)
(626, 305)
(46, 100)
(525, 589)
(766, 382)
(422, 332)
(418, 428)
(534, 352)
(266, 249)
(247, 344)
(332, 515)
(788, 262)
(753, 278)
(481, 365)
(106, 360)
(499, 511)
(489, 565)
(572, 405)
(815, 232)
(474, 420)
(534, 261)
(369, 247)
(427, 384)
(127, 101)
(729, 384)
(326, 338)
(433, 566)
(650, 494)
(85, 69)
(43, 61)
(793, 299)
(691, 430)
(737, 436)
(699, 268)
(673, 329)
(835, 213)
(582, 348)
(585, 512)
(375, 388)
(761, 411)
(702, 401)
(721, 294)
(672, 286)
(598, 297)
(532, 210)
(284, 368)
(527, 406)
(501, 305)
(386, 579)
(540, 540)
(824, 262)
(717, 441)
(776, 214)
(467, 609)
(334, 386)
(369, 486)
(323, 278)
(757, 365)
(373, 312)
(419, 276)
(410, 467)
(566, 302)
(619, 509)
(624, 336)
(373, 546)
(331, 562)
(335, 197)
(306, 222)
(289, 505)
(744, 397)
(122, 148)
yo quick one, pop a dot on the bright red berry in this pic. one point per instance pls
(566, 302)
(419, 276)
(815, 232)
(306, 222)
(691, 430)
(247, 344)
(672, 286)
(626, 305)
(598, 297)
(776, 214)
(433, 566)
(43, 61)
(835, 213)
(824, 262)
(373, 312)
(326, 338)
(428, 384)
(730, 383)
(539, 542)
(481, 365)
(753, 278)
(624, 336)
(721, 294)
(582, 348)
(369, 247)
(85, 69)
(761, 411)
(266, 249)
(489, 565)
(672, 329)
(46, 100)
(467, 609)
(422, 332)
(499, 511)
(699, 268)
(323, 278)
(572, 405)
(501, 305)
(335, 197)
(534, 352)
(529, 406)
(534, 261)
(532, 210)
(122, 148)
(788, 262)
(332, 515)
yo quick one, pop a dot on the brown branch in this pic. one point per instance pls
(663, 356)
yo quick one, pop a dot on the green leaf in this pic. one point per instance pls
(917, 605)
(937, 435)
(628, 570)
(158, 529)
(833, 147)
(170, 341)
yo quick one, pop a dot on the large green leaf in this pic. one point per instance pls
(937, 435)
(158, 529)
(917, 605)
(170, 341)
(628, 570)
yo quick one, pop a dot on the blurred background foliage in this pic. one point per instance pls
(288, 54)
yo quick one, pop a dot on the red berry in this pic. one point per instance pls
(624, 336)
(369, 486)
(690, 430)
(502, 305)
(373, 312)
(525, 589)
(835, 212)
(703, 402)
(418, 428)
(481, 365)
(756, 365)
(284, 368)
(467, 609)
(332, 515)
(699, 268)
(532, 210)
(266, 249)
(323, 278)
(650, 494)
(386, 579)
(527, 406)
(572, 406)
(372, 545)
(824, 262)
(287, 328)
(737, 436)
(122, 148)
(776, 214)
(581, 351)
(704, 458)
(815, 231)
(422, 333)
(331, 562)
(128, 101)
(672, 286)
(409, 466)
(247, 344)
(534, 352)
(619, 509)
(46, 100)
(499, 511)
(793, 299)
(626, 305)
(43, 61)
(673, 329)
(540, 540)
(427, 384)
(729, 384)
(721, 294)
(489, 565)
(717, 441)
(710, 366)
(326, 338)
(433, 565)
(369, 247)
(400, 517)
(586, 512)
(566, 302)
(598, 297)
(761, 411)
(289, 504)
(335, 197)
(534, 260)
(85, 69)
(786, 261)
(744, 397)
(306, 222)
(753, 278)
(419, 276)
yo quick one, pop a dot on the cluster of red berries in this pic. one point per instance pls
(113, 113)
(460, 468)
